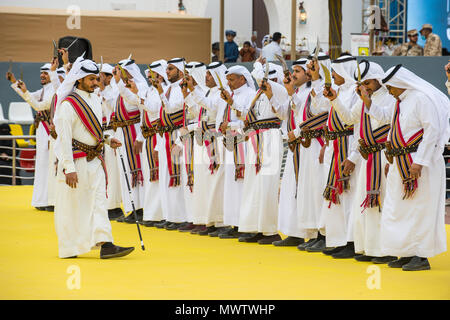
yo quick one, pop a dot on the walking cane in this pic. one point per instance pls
(131, 199)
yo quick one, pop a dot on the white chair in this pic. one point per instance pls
(20, 112)
(2, 117)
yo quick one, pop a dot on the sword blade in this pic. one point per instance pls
(72, 43)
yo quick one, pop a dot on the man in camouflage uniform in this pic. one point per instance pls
(410, 48)
(433, 46)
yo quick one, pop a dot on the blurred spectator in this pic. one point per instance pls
(390, 44)
(255, 45)
(433, 46)
(247, 53)
(410, 48)
(273, 48)
(231, 48)
(6, 156)
(215, 51)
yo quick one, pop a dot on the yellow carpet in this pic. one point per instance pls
(183, 266)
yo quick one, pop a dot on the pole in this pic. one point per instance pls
(293, 30)
(371, 32)
(131, 199)
(13, 162)
(222, 32)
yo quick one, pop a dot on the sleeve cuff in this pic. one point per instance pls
(69, 167)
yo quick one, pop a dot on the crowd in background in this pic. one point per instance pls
(388, 46)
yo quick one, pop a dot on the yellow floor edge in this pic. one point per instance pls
(183, 266)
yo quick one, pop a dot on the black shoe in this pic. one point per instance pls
(148, 223)
(303, 246)
(50, 208)
(318, 246)
(244, 236)
(131, 219)
(382, 260)
(218, 231)
(346, 253)
(207, 231)
(417, 264)
(289, 242)
(173, 226)
(363, 258)
(41, 208)
(162, 224)
(231, 234)
(198, 228)
(399, 262)
(255, 237)
(269, 239)
(187, 228)
(330, 251)
(114, 252)
(114, 214)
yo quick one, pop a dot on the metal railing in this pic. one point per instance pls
(14, 158)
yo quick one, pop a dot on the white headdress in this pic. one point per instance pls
(217, 68)
(240, 70)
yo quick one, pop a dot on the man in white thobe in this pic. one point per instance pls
(230, 125)
(81, 218)
(40, 101)
(413, 219)
(171, 180)
(127, 132)
(259, 204)
(288, 217)
(109, 92)
(338, 216)
(208, 150)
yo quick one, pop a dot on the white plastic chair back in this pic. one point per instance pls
(20, 112)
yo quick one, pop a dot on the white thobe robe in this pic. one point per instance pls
(338, 217)
(109, 96)
(81, 217)
(366, 223)
(415, 226)
(311, 176)
(259, 204)
(208, 187)
(131, 102)
(288, 217)
(40, 100)
(152, 201)
(172, 198)
(232, 194)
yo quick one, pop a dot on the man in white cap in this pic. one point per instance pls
(338, 215)
(370, 136)
(150, 106)
(81, 218)
(433, 44)
(109, 93)
(170, 165)
(39, 100)
(230, 125)
(413, 219)
(297, 86)
(126, 121)
(315, 161)
(259, 205)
